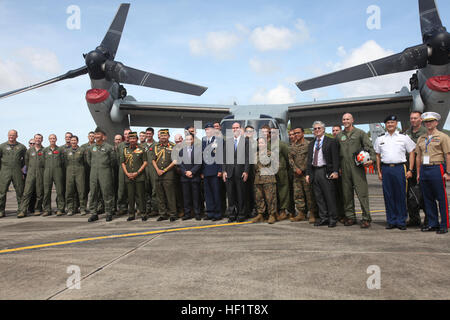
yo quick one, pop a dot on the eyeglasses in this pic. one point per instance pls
(31, 143)
(319, 128)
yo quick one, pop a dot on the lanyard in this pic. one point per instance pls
(427, 142)
(318, 147)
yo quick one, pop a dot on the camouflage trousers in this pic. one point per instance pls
(266, 198)
(303, 196)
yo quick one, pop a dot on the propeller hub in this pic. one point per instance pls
(440, 43)
(94, 62)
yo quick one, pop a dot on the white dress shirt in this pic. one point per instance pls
(320, 160)
(393, 148)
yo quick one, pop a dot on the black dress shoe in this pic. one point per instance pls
(130, 218)
(216, 219)
(442, 231)
(241, 219)
(108, 218)
(198, 218)
(332, 225)
(321, 223)
(172, 219)
(144, 218)
(429, 229)
(403, 228)
(231, 219)
(390, 226)
(186, 217)
(207, 218)
(162, 218)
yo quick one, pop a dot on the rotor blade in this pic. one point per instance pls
(123, 74)
(112, 37)
(69, 75)
(430, 20)
(410, 59)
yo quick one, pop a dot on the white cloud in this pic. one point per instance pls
(218, 44)
(282, 38)
(263, 67)
(370, 51)
(278, 95)
(40, 59)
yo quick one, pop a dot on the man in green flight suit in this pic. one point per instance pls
(12, 160)
(75, 175)
(101, 158)
(53, 173)
(34, 160)
(133, 162)
(352, 140)
(165, 184)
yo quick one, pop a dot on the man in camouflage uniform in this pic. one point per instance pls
(12, 160)
(282, 174)
(133, 162)
(53, 173)
(75, 167)
(265, 184)
(34, 184)
(303, 195)
(101, 158)
(351, 141)
(165, 184)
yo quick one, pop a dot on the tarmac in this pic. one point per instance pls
(67, 258)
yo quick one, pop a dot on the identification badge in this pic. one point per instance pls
(426, 159)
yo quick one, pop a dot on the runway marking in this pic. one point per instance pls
(127, 235)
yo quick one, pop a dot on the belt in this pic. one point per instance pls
(433, 164)
(393, 164)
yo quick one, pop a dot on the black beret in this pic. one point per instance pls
(390, 118)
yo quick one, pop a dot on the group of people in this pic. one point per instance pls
(241, 175)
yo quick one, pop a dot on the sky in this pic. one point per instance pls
(248, 52)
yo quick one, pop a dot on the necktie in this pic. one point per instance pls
(235, 144)
(316, 153)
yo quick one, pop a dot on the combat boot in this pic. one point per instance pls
(282, 216)
(272, 219)
(299, 217)
(83, 212)
(312, 218)
(46, 214)
(21, 215)
(37, 213)
(109, 217)
(70, 213)
(258, 218)
(131, 217)
(93, 218)
(59, 213)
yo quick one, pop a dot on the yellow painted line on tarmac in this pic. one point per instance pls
(61, 243)
(127, 235)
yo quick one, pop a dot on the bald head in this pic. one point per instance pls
(347, 121)
(12, 136)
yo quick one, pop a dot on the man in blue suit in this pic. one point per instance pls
(212, 172)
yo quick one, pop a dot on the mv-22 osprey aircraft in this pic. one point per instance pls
(113, 110)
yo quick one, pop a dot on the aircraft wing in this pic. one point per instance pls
(171, 115)
(370, 109)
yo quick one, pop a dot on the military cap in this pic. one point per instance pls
(209, 125)
(132, 135)
(430, 116)
(164, 131)
(390, 118)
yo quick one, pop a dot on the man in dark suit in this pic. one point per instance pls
(235, 172)
(323, 171)
(212, 147)
(190, 167)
